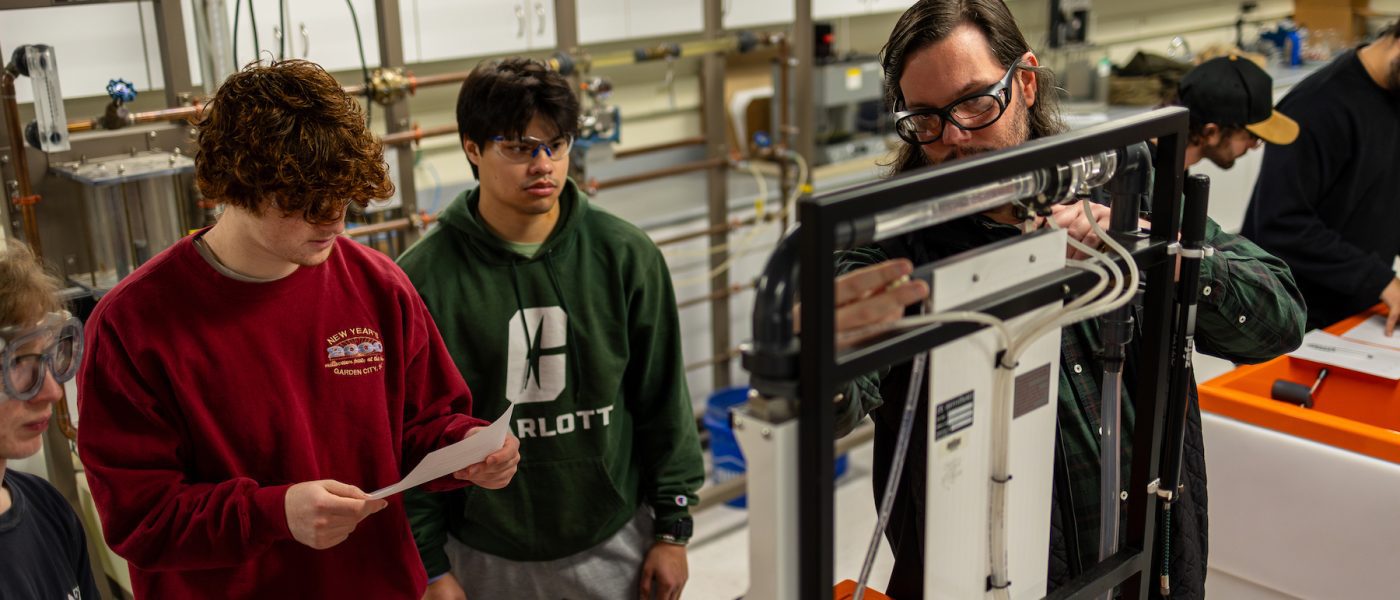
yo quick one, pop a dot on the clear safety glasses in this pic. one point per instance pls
(55, 344)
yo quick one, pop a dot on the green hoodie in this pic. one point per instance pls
(594, 369)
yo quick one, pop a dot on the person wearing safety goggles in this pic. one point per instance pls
(43, 550)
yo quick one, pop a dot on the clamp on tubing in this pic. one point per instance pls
(1202, 252)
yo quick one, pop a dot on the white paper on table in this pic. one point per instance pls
(1372, 331)
(1322, 347)
(450, 459)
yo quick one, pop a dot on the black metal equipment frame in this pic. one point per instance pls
(821, 370)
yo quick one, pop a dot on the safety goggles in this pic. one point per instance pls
(525, 149)
(55, 344)
(968, 113)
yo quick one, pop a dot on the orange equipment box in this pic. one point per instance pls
(1352, 411)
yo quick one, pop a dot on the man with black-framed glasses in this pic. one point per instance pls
(963, 80)
(551, 304)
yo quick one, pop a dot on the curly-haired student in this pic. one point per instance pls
(244, 388)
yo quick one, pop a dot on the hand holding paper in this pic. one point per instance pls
(492, 445)
(496, 471)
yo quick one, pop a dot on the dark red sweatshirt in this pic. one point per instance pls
(203, 398)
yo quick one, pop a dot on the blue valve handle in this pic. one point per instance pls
(121, 90)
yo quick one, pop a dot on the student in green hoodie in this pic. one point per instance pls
(568, 312)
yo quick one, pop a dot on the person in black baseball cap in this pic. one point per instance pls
(1231, 104)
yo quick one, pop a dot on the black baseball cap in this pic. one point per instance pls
(1233, 91)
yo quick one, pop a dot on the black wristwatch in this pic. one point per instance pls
(678, 532)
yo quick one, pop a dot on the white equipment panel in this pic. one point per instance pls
(961, 383)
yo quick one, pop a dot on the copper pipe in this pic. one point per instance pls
(404, 137)
(415, 82)
(386, 226)
(24, 197)
(699, 165)
(415, 134)
(611, 59)
(187, 113)
(65, 419)
(391, 225)
(672, 51)
(690, 141)
(784, 119)
(724, 293)
(713, 229)
(706, 232)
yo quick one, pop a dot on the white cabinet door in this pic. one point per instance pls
(655, 18)
(830, 9)
(602, 21)
(886, 6)
(93, 44)
(739, 14)
(541, 24)
(449, 29)
(322, 31)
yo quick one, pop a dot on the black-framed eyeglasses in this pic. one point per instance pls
(968, 113)
(55, 345)
(525, 149)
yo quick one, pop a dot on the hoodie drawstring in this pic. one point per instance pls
(568, 315)
(520, 309)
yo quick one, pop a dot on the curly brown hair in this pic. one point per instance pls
(27, 291)
(286, 134)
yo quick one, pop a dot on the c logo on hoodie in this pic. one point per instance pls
(535, 372)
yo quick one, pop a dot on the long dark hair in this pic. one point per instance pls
(931, 21)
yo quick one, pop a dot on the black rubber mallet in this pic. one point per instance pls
(1297, 393)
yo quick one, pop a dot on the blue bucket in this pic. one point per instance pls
(725, 455)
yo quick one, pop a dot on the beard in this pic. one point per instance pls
(1219, 154)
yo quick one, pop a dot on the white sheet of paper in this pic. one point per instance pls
(450, 459)
(1372, 331)
(1320, 346)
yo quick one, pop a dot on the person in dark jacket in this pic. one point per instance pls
(1329, 204)
(964, 81)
